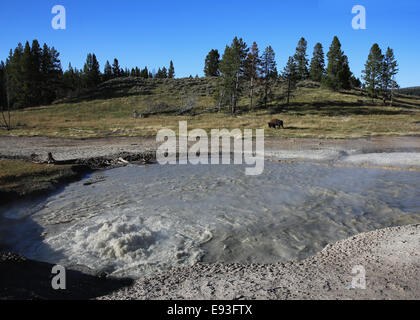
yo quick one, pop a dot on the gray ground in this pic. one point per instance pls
(329, 149)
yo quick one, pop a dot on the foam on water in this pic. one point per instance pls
(144, 219)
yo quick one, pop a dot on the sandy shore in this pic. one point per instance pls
(391, 257)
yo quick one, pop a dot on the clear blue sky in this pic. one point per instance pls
(155, 31)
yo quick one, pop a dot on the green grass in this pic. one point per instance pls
(313, 112)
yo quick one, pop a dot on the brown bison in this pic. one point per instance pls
(275, 123)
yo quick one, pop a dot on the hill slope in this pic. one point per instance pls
(413, 91)
(313, 112)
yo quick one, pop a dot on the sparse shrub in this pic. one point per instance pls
(308, 84)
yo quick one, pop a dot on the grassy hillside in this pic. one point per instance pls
(413, 91)
(313, 112)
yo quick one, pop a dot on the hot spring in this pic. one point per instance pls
(137, 220)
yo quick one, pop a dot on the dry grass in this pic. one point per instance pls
(316, 113)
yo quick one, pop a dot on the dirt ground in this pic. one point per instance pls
(64, 149)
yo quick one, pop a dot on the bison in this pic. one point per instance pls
(275, 123)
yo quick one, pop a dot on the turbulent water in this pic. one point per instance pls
(137, 220)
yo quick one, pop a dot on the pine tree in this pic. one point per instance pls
(27, 87)
(252, 69)
(232, 69)
(389, 71)
(372, 74)
(37, 79)
(212, 64)
(144, 73)
(338, 70)
(107, 71)
(91, 71)
(164, 73)
(3, 94)
(69, 79)
(116, 70)
(159, 74)
(52, 74)
(268, 72)
(14, 77)
(317, 70)
(73, 80)
(171, 71)
(33, 75)
(4, 105)
(290, 75)
(301, 60)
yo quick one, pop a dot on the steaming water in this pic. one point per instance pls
(142, 219)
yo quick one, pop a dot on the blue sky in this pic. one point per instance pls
(154, 32)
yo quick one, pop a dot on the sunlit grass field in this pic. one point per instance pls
(313, 112)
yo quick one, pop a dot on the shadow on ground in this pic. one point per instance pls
(24, 279)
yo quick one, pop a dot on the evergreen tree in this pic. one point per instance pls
(389, 71)
(290, 75)
(252, 69)
(268, 72)
(3, 91)
(232, 69)
(338, 70)
(14, 77)
(25, 100)
(107, 71)
(91, 71)
(4, 105)
(116, 70)
(159, 74)
(317, 70)
(52, 74)
(301, 60)
(345, 75)
(144, 73)
(36, 75)
(372, 74)
(69, 79)
(33, 75)
(171, 71)
(164, 73)
(212, 63)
